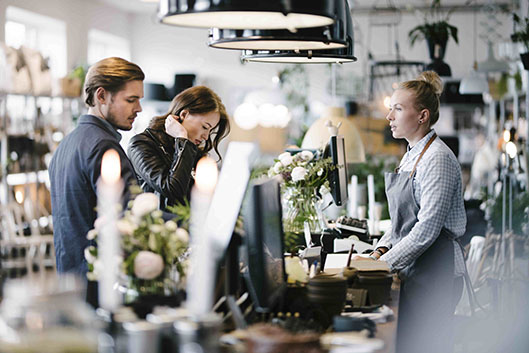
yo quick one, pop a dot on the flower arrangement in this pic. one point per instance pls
(154, 250)
(305, 181)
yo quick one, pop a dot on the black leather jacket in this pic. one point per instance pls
(163, 165)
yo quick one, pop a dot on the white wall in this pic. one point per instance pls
(80, 16)
(163, 50)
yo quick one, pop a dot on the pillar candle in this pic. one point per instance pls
(371, 201)
(353, 198)
(200, 282)
(109, 192)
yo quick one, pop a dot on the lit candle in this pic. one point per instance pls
(200, 283)
(109, 191)
(371, 201)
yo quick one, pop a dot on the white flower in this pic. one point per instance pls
(277, 167)
(298, 174)
(156, 228)
(145, 203)
(294, 270)
(125, 227)
(324, 190)
(91, 276)
(148, 265)
(92, 234)
(285, 158)
(157, 214)
(182, 235)
(171, 226)
(88, 254)
(307, 155)
(320, 172)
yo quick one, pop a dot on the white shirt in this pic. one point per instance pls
(437, 188)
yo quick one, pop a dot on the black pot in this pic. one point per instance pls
(437, 64)
(431, 48)
(525, 60)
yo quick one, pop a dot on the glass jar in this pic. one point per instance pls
(47, 316)
(301, 205)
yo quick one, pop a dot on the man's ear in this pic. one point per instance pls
(101, 95)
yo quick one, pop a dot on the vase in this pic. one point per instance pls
(301, 206)
(437, 50)
(143, 295)
(525, 60)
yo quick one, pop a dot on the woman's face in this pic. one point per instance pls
(403, 117)
(199, 126)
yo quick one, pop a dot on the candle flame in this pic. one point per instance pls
(19, 196)
(206, 174)
(110, 167)
(506, 135)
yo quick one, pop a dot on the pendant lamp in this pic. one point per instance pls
(474, 83)
(340, 55)
(247, 14)
(328, 37)
(492, 64)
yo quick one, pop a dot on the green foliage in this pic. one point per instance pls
(522, 34)
(182, 212)
(520, 210)
(435, 26)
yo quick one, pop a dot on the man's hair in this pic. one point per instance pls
(111, 74)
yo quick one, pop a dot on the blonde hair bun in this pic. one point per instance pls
(433, 79)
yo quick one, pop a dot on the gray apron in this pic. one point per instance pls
(427, 284)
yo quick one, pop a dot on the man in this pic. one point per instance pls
(113, 89)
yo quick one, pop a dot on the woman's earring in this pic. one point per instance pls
(420, 121)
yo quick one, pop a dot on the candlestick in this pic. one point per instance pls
(109, 191)
(371, 201)
(201, 277)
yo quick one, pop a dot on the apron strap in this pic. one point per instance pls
(422, 153)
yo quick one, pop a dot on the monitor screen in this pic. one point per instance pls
(265, 274)
(338, 177)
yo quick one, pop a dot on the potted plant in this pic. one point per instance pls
(522, 36)
(436, 31)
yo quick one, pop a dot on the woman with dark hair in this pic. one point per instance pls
(165, 154)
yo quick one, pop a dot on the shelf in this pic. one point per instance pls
(3, 93)
(41, 176)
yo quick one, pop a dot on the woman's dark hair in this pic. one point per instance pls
(198, 100)
(427, 89)
(111, 74)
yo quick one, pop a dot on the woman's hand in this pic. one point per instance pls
(174, 128)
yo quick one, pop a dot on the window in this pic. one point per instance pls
(102, 45)
(42, 33)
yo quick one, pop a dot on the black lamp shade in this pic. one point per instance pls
(247, 14)
(340, 55)
(319, 38)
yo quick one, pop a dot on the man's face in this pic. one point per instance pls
(124, 105)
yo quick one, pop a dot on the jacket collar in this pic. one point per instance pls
(102, 123)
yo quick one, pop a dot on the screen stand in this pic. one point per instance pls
(232, 281)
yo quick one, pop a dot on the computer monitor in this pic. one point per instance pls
(338, 177)
(263, 244)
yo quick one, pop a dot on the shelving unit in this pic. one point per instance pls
(38, 123)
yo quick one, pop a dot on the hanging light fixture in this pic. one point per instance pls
(328, 37)
(474, 83)
(340, 55)
(247, 14)
(492, 64)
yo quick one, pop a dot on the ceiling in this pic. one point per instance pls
(139, 7)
